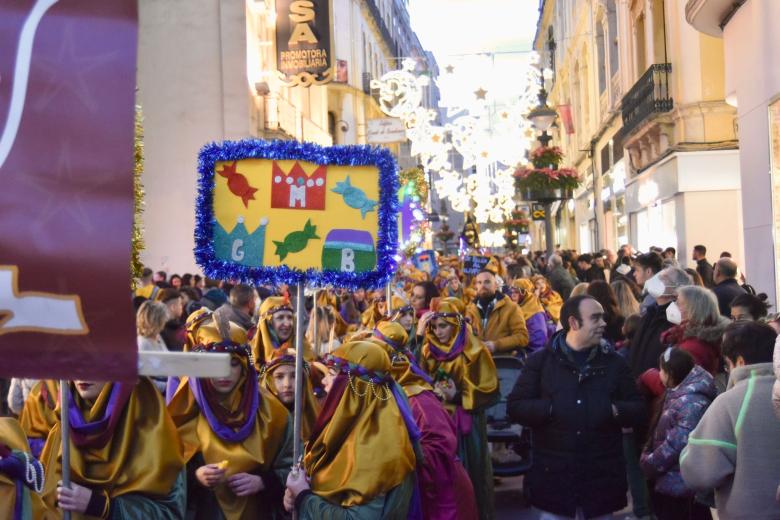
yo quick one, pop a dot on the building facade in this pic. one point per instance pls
(217, 79)
(643, 117)
(752, 84)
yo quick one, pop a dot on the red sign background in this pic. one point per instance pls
(66, 197)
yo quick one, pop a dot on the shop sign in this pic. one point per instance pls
(303, 42)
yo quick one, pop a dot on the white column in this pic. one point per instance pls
(649, 37)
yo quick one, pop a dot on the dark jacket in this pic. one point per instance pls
(726, 291)
(682, 409)
(561, 282)
(704, 269)
(646, 345)
(595, 273)
(577, 440)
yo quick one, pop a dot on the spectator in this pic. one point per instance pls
(241, 306)
(690, 390)
(627, 303)
(645, 267)
(695, 276)
(726, 286)
(579, 289)
(736, 446)
(703, 266)
(174, 333)
(670, 253)
(213, 299)
(698, 327)
(749, 307)
(560, 279)
(523, 294)
(604, 294)
(175, 281)
(353, 306)
(647, 345)
(630, 326)
(584, 264)
(576, 395)
(496, 319)
(150, 322)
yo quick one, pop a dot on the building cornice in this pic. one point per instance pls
(711, 16)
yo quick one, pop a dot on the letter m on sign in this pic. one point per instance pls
(297, 189)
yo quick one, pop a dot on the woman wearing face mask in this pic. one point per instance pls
(689, 392)
(465, 379)
(698, 326)
(124, 456)
(359, 461)
(237, 439)
(522, 293)
(278, 377)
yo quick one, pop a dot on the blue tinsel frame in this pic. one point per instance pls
(387, 236)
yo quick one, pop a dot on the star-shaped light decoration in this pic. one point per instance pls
(480, 93)
(450, 69)
(504, 115)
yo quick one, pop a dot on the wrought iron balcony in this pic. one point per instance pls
(650, 95)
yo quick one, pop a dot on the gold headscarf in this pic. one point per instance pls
(11, 435)
(40, 414)
(360, 448)
(264, 442)
(311, 407)
(371, 315)
(528, 303)
(142, 455)
(550, 299)
(392, 337)
(464, 358)
(264, 341)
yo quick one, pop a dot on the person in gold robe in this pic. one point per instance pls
(125, 456)
(360, 457)
(237, 438)
(551, 300)
(465, 378)
(38, 416)
(21, 476)
(275, 331)
(278, 378)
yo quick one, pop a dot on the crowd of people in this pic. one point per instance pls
(640, 379)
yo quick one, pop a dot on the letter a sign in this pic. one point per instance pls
(303, 42)
(67, 97)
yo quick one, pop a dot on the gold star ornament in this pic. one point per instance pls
(481, 93)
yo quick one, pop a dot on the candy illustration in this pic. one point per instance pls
(354, 197)
(296, 241)
(238, 184)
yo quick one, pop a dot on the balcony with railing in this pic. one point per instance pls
(650, 95)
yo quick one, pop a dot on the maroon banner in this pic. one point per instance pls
(67, 94)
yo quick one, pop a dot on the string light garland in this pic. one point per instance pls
(137, 237)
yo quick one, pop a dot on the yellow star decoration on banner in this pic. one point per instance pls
(481, 93)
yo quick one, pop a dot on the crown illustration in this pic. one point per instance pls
(297, 189)
(239, 246)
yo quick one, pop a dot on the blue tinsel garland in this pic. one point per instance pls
(387, 235)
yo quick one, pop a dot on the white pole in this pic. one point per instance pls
(298, 411)
(65, 423)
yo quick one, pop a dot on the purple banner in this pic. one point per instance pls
(67, 96)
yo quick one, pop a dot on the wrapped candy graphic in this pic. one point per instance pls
(238, 184)
(354, 197)
(296, 241)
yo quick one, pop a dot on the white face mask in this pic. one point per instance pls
(673, 314)
(655, 287)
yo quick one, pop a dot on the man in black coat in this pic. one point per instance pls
(577, 394)
(560, 279)
(726, 286)
(703, 266)
(646, 346)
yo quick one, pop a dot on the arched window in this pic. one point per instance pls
(601, 55)
(612, 36)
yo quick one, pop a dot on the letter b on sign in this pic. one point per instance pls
(348, 260)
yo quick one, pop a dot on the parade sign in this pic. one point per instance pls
(288, 212)
(474, 264)
(303, 42)
(426, 261)
(67, 97)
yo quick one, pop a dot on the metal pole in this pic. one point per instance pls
(315, 327)
(548, 229)
(389, 298)
(65, 425)
(298, 411)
